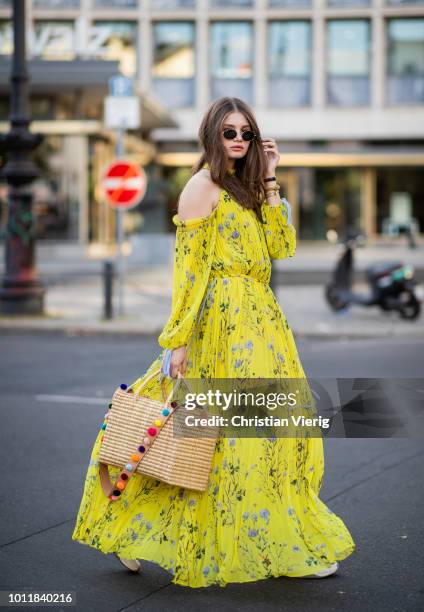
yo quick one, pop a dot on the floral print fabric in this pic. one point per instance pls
(261, 515)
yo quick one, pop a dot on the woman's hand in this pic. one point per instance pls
(178, 361)
(272, 155)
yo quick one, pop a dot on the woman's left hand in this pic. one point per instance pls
(272, 155)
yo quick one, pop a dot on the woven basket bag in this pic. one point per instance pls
(139, 438)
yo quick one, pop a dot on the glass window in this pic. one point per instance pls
(55, 4)
(405, 61)
(348, 62)
(6, 38)
(289, 3)
(289, 63)
(348, 3)
(169, 5)
(231, 3)
(404, 2)
(115, 3)
(53, 40)
(232, 59)
(116, 40)
(173, 62)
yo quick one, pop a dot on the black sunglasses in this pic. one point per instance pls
(230, 134)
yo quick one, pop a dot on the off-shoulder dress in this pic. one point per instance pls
(261, 515)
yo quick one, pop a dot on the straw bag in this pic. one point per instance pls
(139, 437)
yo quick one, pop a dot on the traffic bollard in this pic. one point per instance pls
(108, 274)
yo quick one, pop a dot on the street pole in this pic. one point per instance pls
(120, 230)
(20, 291)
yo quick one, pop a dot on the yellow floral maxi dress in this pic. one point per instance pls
(261, 515)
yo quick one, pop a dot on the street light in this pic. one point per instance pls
(20, 292)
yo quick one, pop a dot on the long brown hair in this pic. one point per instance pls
(246, 184)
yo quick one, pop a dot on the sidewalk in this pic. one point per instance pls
(62, 262)
(77, 307)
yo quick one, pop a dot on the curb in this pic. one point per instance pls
(74, 329)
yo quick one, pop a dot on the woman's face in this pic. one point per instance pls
(237, 147)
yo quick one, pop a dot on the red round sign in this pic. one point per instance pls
(124, 184)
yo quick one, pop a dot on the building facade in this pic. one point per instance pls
(338, 83)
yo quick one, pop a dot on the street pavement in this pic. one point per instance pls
(78, 307)
(375, 485)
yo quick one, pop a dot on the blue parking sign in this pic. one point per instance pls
(121, 86)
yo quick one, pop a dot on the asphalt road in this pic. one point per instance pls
(375, 485)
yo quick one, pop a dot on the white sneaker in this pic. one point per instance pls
(325, 572)
(131, 564)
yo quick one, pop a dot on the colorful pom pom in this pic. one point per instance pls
(123, 386)
(152, 431)
(129, 467)
(124, 476)
(135, 457)
(158, 422)
(165, 412)
(141, 449)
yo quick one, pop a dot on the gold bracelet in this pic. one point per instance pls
(274, 191)
(275, 188)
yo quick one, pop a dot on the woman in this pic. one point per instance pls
(260, 515)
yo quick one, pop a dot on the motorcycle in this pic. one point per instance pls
(392, 285)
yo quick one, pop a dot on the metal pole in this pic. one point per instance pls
(120, 231)
(21, 292)
(108, 289)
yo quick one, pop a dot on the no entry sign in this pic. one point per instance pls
(124, 184)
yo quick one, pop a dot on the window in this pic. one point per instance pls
(232, 59)
(295, 4)
(116, 40)
(405, 61)
(173, 63)
(231, 3)
(289, 63)
(54, 40)
(6, 38)
(348, 62)
(115, 3)
(348, 3)
(169, 5)
(56, 4)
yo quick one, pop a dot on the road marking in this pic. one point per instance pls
(72, 399)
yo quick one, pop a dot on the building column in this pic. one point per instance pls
(260, 63)
(144, 52)
(202, 72)
(319, 77)
(378, 58)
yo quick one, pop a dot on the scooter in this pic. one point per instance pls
(392, 284)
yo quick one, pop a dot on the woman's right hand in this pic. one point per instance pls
(178, 361)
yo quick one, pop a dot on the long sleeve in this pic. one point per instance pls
(280, 233)
(194, 251)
